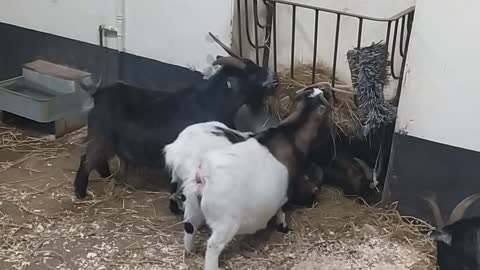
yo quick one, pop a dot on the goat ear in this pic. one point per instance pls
(441, 236)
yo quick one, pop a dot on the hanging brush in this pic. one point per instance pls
(369, 72)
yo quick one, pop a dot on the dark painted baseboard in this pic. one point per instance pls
(418, 166)
(20, 45)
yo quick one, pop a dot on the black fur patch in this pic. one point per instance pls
(188, 227)
(232, 136)
(174, 208)
(280, 228)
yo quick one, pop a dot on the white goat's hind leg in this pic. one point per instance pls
(193, 219)
(221, 235)
(281, 221)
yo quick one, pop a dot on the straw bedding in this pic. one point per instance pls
(42, 226)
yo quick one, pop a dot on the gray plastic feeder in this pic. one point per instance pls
(47, 93)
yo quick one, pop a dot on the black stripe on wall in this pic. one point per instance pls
(20, 45)
(418, 166)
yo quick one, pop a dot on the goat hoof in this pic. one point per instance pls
(80, 194)
(283, 228)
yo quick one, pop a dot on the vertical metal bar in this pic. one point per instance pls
(359, 37)
(267, 48)
(396, 99)
(392, 57)
(402, 49)
(315, 41)
(337, 34)
(387, 38)
(257, 21)
(292, 59)
(100, 36)
(247, 21)
(239, 14)
(255, 17)
(274, 36)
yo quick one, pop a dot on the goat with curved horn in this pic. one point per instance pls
(459, 210)
(432, 202)
(458, 244)
(225, 47)
(365, 168)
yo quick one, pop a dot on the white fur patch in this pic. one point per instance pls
(316, 92)
(210, 71)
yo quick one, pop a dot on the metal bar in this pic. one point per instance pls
(240, 45)
(274, 36)
(100, 35)
(292, 59)
(247, 29)
(396, 99)
(268, 36)
(337, 34)
(387, 38)
(255, 17)
(315, 41)
(257, 21)
(402, 49)
(378, 19)
(392, 58)
(359, 37)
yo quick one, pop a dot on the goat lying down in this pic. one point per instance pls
(458, 241)
(237, 189)
(352, 175)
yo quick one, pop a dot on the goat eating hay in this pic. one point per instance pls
(344, 117)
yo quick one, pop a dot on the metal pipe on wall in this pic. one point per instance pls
(120, 24)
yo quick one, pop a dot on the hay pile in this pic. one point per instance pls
(345, 118)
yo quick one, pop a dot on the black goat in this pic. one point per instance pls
(458, 242)
(135, 124)
(352, 175)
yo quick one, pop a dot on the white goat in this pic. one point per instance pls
(183, 156)
(242, 186)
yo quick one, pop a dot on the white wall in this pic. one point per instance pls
(372, 32)
(176, 31)
(171, 31)
(440, 97)
(69, 18)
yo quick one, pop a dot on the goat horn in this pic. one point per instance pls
(225, 47)
(459, 210)
(365, 168)
(432, 202)
(230, 61)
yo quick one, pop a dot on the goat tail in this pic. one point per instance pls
(199, 180)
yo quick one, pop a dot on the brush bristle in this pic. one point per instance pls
(369, 71)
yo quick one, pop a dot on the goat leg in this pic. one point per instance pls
(193, 219)
(281, 221)
(222, 233)
(81, 179)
